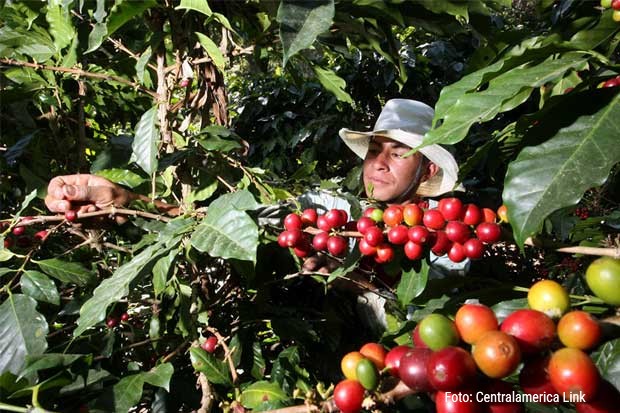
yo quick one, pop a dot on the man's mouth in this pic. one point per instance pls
(377, 181)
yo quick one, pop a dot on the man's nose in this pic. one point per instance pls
(380, 161)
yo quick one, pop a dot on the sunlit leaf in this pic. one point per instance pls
(478, 107)
(333, 83)
(66, 272)
(39, 286)
(212, 50)
(146, 140)
(556, 173)
(215, 370)
(301, 21)
(412, 284)
(116, 287)
(260, 392)
(23, 332)
(201, 6)
(128, 391)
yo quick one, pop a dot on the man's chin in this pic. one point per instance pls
(383, 196)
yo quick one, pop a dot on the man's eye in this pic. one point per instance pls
(397, 155)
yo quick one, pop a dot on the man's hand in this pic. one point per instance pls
(320, 263)
(84, 193)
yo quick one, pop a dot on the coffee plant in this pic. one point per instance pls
(222, 118)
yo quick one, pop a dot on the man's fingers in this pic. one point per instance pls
(57, 205)
(98, 196)
(312, 263)
(87, 208)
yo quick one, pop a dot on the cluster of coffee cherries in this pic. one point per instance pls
(453, 228)
(24, 235)
(461, 361)
(614, 4)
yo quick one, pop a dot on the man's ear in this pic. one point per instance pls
(431, 170)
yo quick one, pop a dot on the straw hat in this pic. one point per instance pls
(407, 121)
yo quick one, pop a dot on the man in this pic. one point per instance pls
(388, 175)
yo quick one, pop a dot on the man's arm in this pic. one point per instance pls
(88, 193)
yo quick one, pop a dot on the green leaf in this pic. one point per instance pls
(29, 198)
(451, 93)
(122, 177)
(125, 10)
(66, 272)
(40, 287)
(212, 50)
(241, 201)
(128, 391)
(142, 63)
(215, 143)
(161, 270)
(59, 20)
(93, 376)
(556, 173)
(215, 370)
(203, 193)
(22, 332)
(227, 233)
(96, 37)
(301, 21)
(5, 254)
(201, 6)
(333, 83)
(505, 308)
(116, 287)
(258, 362)
(146, 140)
(478, 107)
(48, 361)
(412, 284)
(607, 359)
(260, 392)
(600, 33)
(452, 8)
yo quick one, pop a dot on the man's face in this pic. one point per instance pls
(389, 174)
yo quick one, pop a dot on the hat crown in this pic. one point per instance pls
(407, 115)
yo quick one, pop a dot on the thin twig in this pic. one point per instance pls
(607, 252)
(207, 396)
(80, 72)
(227, 352)
(40, 219)
(175, 352)
(226, 184)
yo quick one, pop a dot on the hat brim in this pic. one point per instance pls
(442, 182)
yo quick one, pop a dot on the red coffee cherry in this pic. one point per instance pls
(18, 230)
(413, 251)
(418, 234)
(434, 219)
(292, 222)
(337, 245)
(398, 234)
(209, 344)
(451, 208)
(488, 232)
(70, 215)
(319, 241)
(309, 216)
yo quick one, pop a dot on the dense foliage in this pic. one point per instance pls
(231, 109)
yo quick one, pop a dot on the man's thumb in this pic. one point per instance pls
(76, 193)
